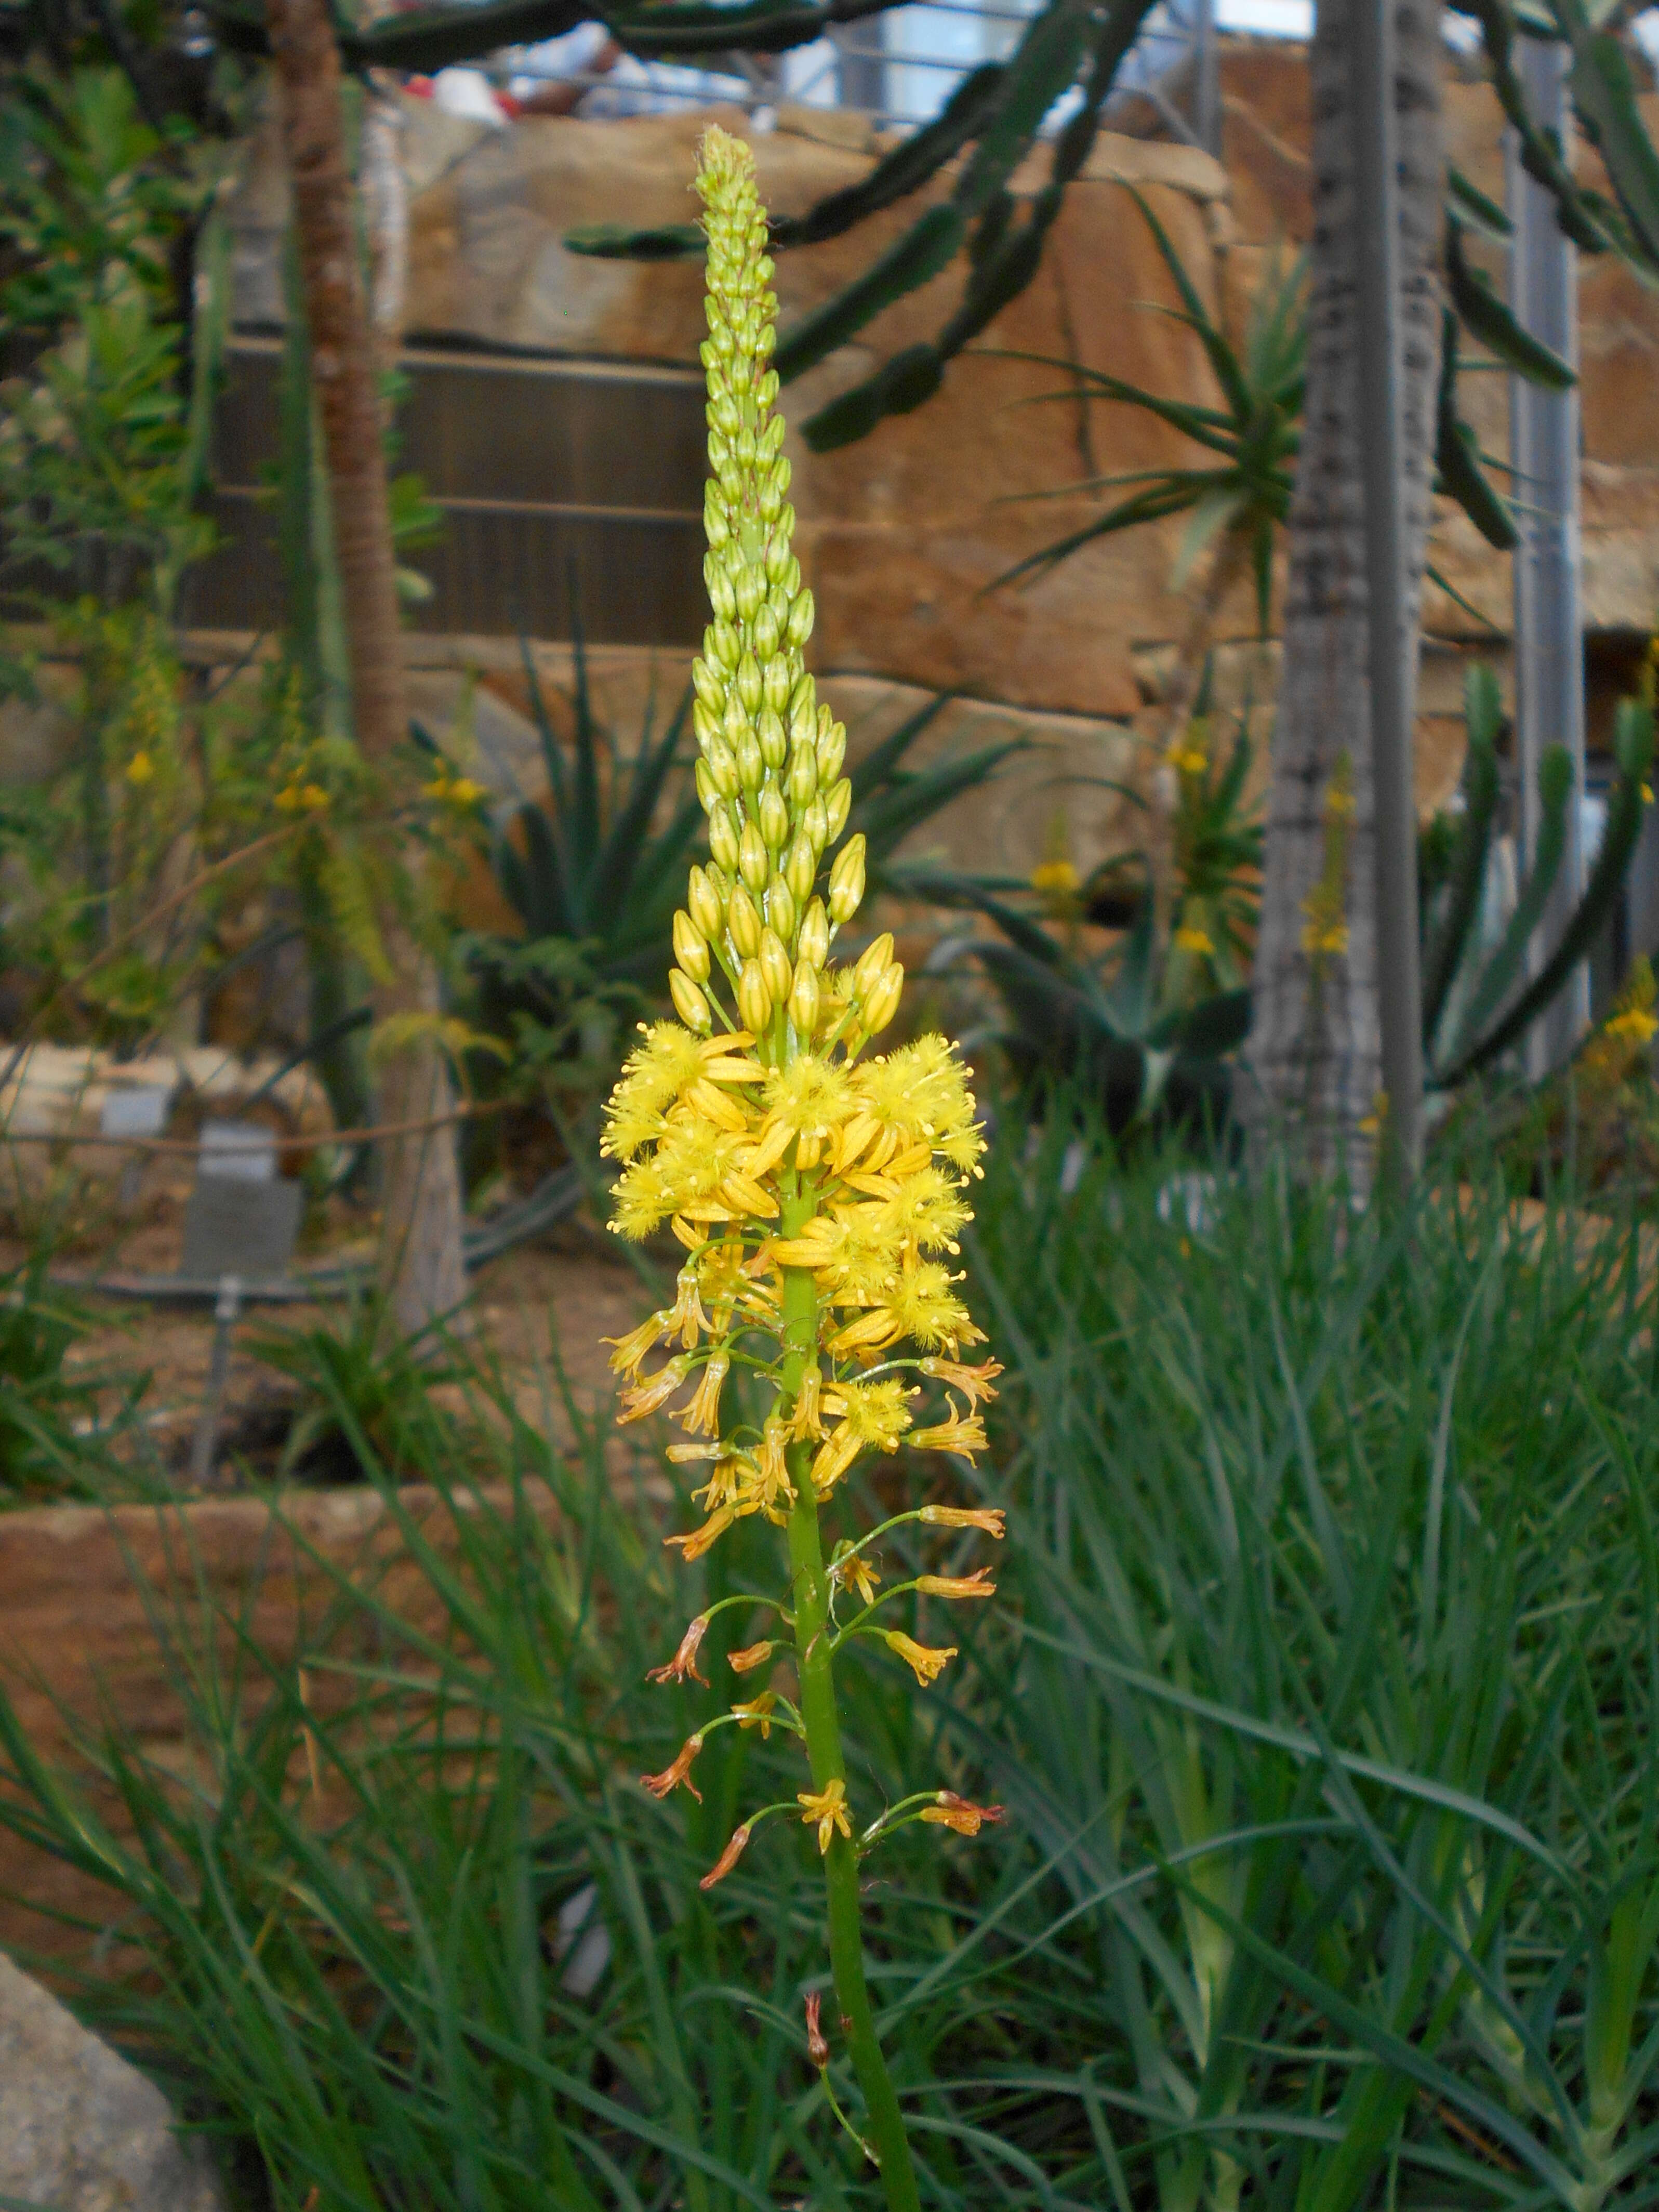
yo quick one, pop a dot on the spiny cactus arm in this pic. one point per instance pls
(1604, 98)
(1457, 455)
(1004, 255)
(1591, 222)
(1629, 800)
(1488, 319)
(437, 38)
(904, 170)
(1449, 940)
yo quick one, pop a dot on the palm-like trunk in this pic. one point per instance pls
(421, 1247)
(1315, 1054)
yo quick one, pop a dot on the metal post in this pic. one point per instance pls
(1207, 79)
(1549, 645)
(1392, 680)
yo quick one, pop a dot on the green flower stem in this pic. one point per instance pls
(817, 1707)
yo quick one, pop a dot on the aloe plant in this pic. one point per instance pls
(1472, 1012)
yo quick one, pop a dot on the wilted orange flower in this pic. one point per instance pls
(684, 1661)
(751, 1656)
(671, 1777)
(816, 2049)
(728, 1858)
(974, 1585)
(990, 1518)
(960, 1813)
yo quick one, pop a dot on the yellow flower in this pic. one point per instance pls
(928, 1663)
(313, 797)
(702, 1416)
(853, 1569)
(989, 1518)
(1635, 1026)
(1189, 938)
(141, 769)
(1055, 877)
(827, 1806)
(758, 1713)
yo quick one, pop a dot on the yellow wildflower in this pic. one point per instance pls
(950, 1811)
(141, 769)
(751, 1656)
(1054, 877)
(1635, 1026)
(928, 1662)
(972, 1585)
(757, 1713)
(828, 1808)
(1189, 938)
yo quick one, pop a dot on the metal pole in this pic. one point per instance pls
(1377, 245)
(1549, 649)
(1207, 79)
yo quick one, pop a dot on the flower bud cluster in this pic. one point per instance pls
(770, 755)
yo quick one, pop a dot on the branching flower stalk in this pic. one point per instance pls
(818, 1189)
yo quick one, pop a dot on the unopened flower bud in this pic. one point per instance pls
(873, 963)
(780, 908)
(704, 901)
(749, 683)
(722, 645)
(832, 751)
(774, 817)
(804, 707)
(800, 866)
(716, 528)
(775, 684)
(813, 943)
(879, 1008)
(774, 966)
(802, 782)
(804, 999)
(753, 1000)
(845, 881)
(705, 722)
(799, 626)
(691, 947)
(766, 634)
(815, 821)
(770, 441)
(723, 843)
(744, 921)
(721, 596)
(773, 741)
(708, 684)
(837, 806)
(735, 721)
(723, 767)
(778, 555)
(690, 1003)
(707, 791)
(751, 765)
(751, 588)
(754, 862)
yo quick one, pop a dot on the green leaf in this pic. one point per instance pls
(1604, 97)
(1457, 455)
(1472, 206)
(1448, 942)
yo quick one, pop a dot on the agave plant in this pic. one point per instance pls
(1472, 1012)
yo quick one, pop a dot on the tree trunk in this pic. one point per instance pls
(1314, 1069)
(421, 1264)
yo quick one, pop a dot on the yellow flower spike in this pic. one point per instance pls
(928, 1664)
(828, 1808)
(820, 1189)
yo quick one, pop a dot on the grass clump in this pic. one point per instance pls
(1322, 1708)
